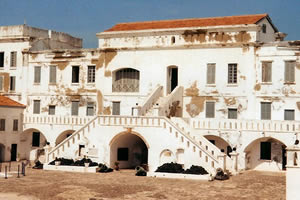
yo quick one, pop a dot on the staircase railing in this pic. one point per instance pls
(175, 96)
(76, 136)
(150, 100)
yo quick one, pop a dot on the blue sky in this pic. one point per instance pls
(84, 18)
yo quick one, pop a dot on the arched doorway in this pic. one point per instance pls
(172, 78)
(63, 136)
(129, 150)
(265, 153)
(219, 142)
(2, 153)
(32, 143)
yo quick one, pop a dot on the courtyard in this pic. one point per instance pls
(123, 184)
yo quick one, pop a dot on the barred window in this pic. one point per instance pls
(13, 59)
(232, 73)
(126, 80)
(91, 74)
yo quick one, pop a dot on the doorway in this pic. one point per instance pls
(283, 158)
(13, 153)
(172, 79)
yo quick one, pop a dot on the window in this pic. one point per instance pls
(91, 74)
(13, 59)
(37, 74)
(52, 75)
(173, 40)
(36, 139)
(265, 110)
(211, 73)
(12, 86)
(75, 74)
(15, 125)
(1, 82)
(116, 108)
(266, 72)
(51, 110)
(1, 59)
(90, 109)
(232, 73)
(289, 72)
(74, 108)
(36, 106)
(122, 154)
(232, 113)
(264, 28)
(265, 150)
(126, 80)
(2, 124)
(210, 109)
(289, 114)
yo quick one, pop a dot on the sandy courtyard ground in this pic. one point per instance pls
(50, 185)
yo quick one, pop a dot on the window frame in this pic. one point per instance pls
(73, 112)
(2, 124)
(232, 74)
(13, 59)
(266, 71)
(91, 74)
(289, 75)
(15, 125)
(211, 73)
(52, 77)
(37, 75)
(126, 80)
(36, 106)
(263, 114)
(229, 113)
(207, 114)
(90, 105)
(12, 83)
(51, 108)
(75, 78)
(285, 114)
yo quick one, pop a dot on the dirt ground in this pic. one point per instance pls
(55, 185)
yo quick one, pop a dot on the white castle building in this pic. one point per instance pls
(216, 92)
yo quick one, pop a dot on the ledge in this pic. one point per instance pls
(205, 177)
(68, 168)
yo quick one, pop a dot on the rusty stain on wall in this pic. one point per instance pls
(61, 65)
(230, 101)
(105, 57)
(107, 110)
(99, 102)
(193, 90)
(243, 77)
(107, 73)
(257, 87)
(242, 36)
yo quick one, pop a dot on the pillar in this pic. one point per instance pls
(222, 160)
(293, 172)
(234, 157)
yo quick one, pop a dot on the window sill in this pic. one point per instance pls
(265, 160)
(52, 84)
(289, 83)
(13, 68)
(210, 85)
(266, 83)
(232, 85)
(75, 84)
(36, 84)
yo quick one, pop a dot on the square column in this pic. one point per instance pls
(293, 172)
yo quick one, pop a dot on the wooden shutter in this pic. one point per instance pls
(265, 110)
(116, 108)
(232, 113)
(267, 72)
(37, 74)
(36, 106)
(210, 109)
(1, 83)
(211, 73)
(289, 75)
(289, 115)
(90, 109)
(15, 125)
(52, 78)
(2, 124)
(75, 106)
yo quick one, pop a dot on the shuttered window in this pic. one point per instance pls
(232, 113)
(211, 73)
(289, 114)
(265, 110)
(90, 108)
(13, 59)
(210, 109)
(36, 106)
(126, 80)
(75, 74)
(12, 83)
(37, 74)
(232, 73)
(266, 72)
(1, 83)
(91, 74)
(289, 72)
(116, 108)
(15, 125)
(2, 124)
(52, 74)
(51, 110)
(74, 108)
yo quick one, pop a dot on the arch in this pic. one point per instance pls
(2, 152)
(129, 149)
(62, 136)
(265, 153)
(126, 80)
(172, 78)
(221, 143)
(166, 156)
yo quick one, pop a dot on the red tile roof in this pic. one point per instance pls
(5, 101)
(181, 23)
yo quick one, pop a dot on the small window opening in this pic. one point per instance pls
(173, 40)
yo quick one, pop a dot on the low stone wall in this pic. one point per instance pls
(205, 177)
(68, 168)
